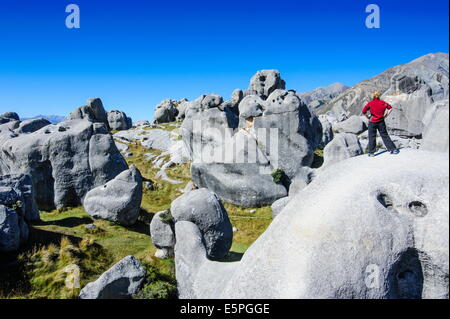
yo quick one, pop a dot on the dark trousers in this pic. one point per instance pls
(381, 127)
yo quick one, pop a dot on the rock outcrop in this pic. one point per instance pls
(234, 156)
(119, 121)
(343, 146)
(121, 281)
(165, 112)
(119, 200)
(354, 124)
(162, 233)
(341, 237)
(203, 208)
(64, 161)
(321, 96)
(93, 111)
(436, 129)
(16, 207)
(30, 126)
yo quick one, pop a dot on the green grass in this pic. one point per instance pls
(61, 239)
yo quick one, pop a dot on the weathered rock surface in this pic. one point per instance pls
(165, 112)
(8, 117)
(235, 161)
(264, 82)
(16, 205)
(64, 161)
(354, 124)
(343, 146)
(119, 121)
(93, 111)
(327, 131)
(341, 237)
(122, 280)
(119, 200)
(435, 134)
(278, 206)
(30, 126)
(321, 96)
(23, 186)
(162, 233)
(203, 208)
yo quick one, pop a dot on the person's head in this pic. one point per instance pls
(376, 95)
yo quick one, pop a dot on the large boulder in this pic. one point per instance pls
(64, 161)
(23, 186)
(119, 200)
(354, 124)
(343, 146)
(121, 281)
(9, 116)
(165, 112)
(264, 82)
(119, 121)
(341, 237)
(30, 126)
(203, 208)
(435, 134)
(162, 233)
(93, 111)
(327, 131)
(13, 209)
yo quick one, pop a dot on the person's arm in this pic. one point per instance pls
(365, 109)
(388, 110)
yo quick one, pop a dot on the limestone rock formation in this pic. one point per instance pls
(121, 281)
(118, 121)
(343, 146)
(203, 208)
(234, 156)
(162, 232)
(341, 237)
(354, 124)
(64, 161)
(321, 96)
(93, 111)
(436, 129)
(119, 200)
(165, 112)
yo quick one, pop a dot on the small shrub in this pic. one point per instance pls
(278, 176)
(166, 217)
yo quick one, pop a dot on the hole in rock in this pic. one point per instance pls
(385, 200)
(419, 209)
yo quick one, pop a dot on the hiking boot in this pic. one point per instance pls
(371, 154)
(396, 151)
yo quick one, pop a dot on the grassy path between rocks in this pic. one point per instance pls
(61, 240)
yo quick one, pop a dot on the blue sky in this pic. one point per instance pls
(135, 53)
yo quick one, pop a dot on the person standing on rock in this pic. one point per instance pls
(379, 110)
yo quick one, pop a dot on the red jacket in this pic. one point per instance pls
(377, 108)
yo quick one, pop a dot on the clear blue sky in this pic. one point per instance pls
(136, 53)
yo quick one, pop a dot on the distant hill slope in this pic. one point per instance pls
(51, 118)
(431, 70)
(322, 95)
